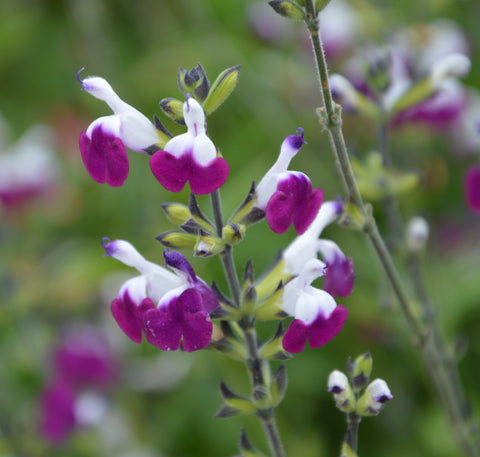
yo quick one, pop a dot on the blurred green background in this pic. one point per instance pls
(52, 273)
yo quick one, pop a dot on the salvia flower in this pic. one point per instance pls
(103, 145)
(317, 316)
(339, 271)
(287, 197)
(28, 167)
(170, 307)
(83, 365)
(191, 157)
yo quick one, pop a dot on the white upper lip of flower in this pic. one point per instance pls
(130, 125)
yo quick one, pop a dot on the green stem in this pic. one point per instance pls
(442, 371)
(351, 435)
(257, 367)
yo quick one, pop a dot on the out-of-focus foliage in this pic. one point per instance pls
(53, 275)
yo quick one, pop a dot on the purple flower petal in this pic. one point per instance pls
(129, 316)
(472, 188)
(173, 172)
(57, 418)
(105, 157)
(178, 261)
(339, 276)
(320, 331)
(323, 330)
(296, 336)
(293, 202)
(181, 319)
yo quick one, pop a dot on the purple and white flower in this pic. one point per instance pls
(191, 157)
(28, 168)
(171, 307)
(83, 365)
(103, 145)
(287, 197)
(318, 318)
(374, 398)
(339, 271)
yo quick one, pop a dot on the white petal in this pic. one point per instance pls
(337, 380)
(136, 288)
(267, 186)
(344, 88)
(204, 151)
(451, 66)
(110, 124)
(312, 302)
(194, 117)
(180, 144)
(379, 388)
(137, 132)
(159, 284)
(329, 250)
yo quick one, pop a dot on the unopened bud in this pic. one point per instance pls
(374, 398)
(342, 392)
(359, 371)
(208, 245)
(221, 89)
(417, 234)
(287, 9)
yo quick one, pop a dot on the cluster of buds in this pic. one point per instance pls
(355, 394)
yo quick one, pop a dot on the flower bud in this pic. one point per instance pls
(176, 212)
(208, 245)
(233, 233)
(374, 398)
(287, 9)
(417, 234)
(342, 392)
(221, 89)
(177, 240)
(173, 108)
(359, 371)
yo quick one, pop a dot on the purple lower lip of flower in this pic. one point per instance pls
(472, 188)
(174, 172)
(294, 202)
(129, 315)
(104, 156)
(339, 276)
(182, 321)
(319, 332)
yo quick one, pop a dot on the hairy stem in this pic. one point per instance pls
(257, 367)
(442, 371)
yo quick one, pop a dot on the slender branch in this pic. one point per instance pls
(440, 367)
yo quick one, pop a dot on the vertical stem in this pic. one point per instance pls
(441, 369)
(351, 435)
(227, 256)
(255, 364)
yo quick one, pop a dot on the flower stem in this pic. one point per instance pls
(257, 367)
(442, 370)
(351, 435)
